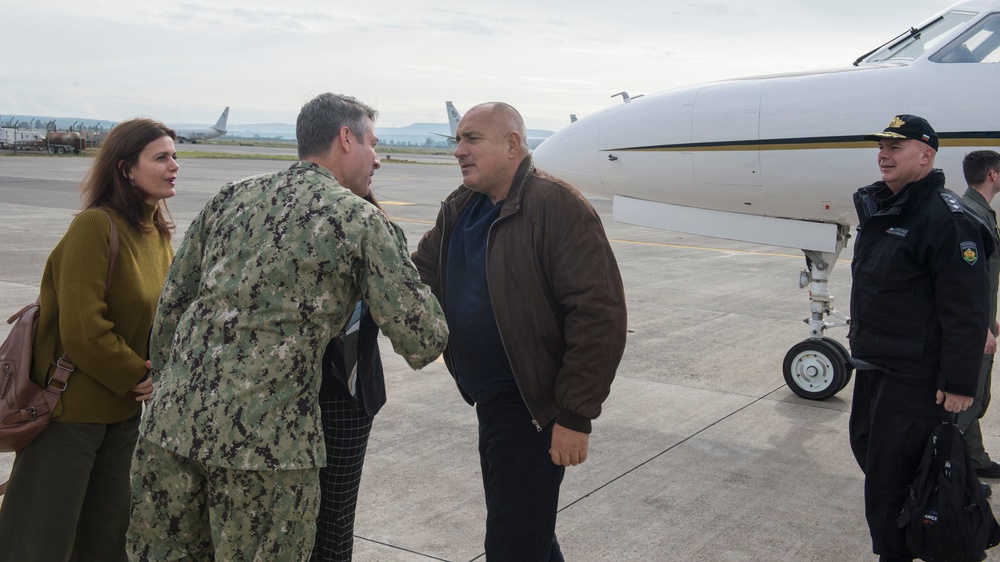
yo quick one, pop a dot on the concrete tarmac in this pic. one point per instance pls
(701, 453)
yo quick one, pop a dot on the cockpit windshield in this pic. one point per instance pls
(918, 41)
(980, 43)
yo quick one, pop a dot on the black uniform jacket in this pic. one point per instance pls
(371, 377)
(919, 300)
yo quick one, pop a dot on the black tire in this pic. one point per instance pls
(847, 360)
(815, 369)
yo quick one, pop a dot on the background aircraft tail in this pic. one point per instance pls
(453, 118)
(220, 125)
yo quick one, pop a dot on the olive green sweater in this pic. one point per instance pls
(105, 337)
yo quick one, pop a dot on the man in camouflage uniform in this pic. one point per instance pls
(982, 173)
(271, 270)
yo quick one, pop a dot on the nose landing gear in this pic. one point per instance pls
(819, 367)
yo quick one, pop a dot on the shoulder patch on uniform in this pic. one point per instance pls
(895, 231)
(969, 252)
(952, 202)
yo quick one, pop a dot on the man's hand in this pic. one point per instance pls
(991, 343)
(569, 448)
(952, 402)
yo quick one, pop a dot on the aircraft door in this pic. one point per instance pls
(725, 132)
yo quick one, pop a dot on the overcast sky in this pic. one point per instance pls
(183, 61)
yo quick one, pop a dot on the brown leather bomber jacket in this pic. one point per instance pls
(556, 292)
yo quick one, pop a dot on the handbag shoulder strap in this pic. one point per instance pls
(112, 251)
(65, 366)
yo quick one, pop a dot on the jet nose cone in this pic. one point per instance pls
(571, 155)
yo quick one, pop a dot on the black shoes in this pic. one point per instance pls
(991, 471)
(986, 489)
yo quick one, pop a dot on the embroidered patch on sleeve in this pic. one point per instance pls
(969, 253)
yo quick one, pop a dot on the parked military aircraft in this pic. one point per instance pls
(194, 135)
(453, 118)
(776, 159)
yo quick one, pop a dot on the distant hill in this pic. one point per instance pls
(415, 134)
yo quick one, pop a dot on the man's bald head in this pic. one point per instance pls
(506, 119)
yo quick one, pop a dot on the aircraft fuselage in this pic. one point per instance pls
(787, 146)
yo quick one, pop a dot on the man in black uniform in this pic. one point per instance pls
(918, 318)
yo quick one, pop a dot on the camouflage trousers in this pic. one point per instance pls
(185, 511)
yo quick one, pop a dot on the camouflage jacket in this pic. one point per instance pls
(978, 204)
(267, 274)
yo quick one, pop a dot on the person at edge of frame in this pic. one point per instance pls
(918, 319)
(68, 495)
(982, 174)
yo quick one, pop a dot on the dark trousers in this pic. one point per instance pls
(68, 496)
(346, 428)
(521, 483)
(890, 424)
(968, 421)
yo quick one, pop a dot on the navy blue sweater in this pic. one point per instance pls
(480, 361)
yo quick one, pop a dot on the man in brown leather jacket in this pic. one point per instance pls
(536, 309)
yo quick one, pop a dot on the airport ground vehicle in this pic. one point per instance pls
(61, 142)
(20, 139)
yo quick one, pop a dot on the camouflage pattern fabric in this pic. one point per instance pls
(183, 510)
(267, 274)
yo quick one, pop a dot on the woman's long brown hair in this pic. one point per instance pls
(107, 183)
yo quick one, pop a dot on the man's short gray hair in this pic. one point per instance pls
(322, 117)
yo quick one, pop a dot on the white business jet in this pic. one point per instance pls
(775, 159)
(194, 135)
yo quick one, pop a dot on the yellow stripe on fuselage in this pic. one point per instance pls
(791, 145)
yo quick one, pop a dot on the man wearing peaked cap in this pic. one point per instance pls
(908, 127)
(918, 318)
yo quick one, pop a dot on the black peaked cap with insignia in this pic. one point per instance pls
(908, 127)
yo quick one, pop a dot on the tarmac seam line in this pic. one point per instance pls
(663, 452)
(394, 547)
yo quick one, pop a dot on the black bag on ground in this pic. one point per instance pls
(946, 514)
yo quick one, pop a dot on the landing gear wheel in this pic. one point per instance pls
(847, 360)
(816, 369)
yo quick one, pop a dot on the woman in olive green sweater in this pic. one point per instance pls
(68, 495)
